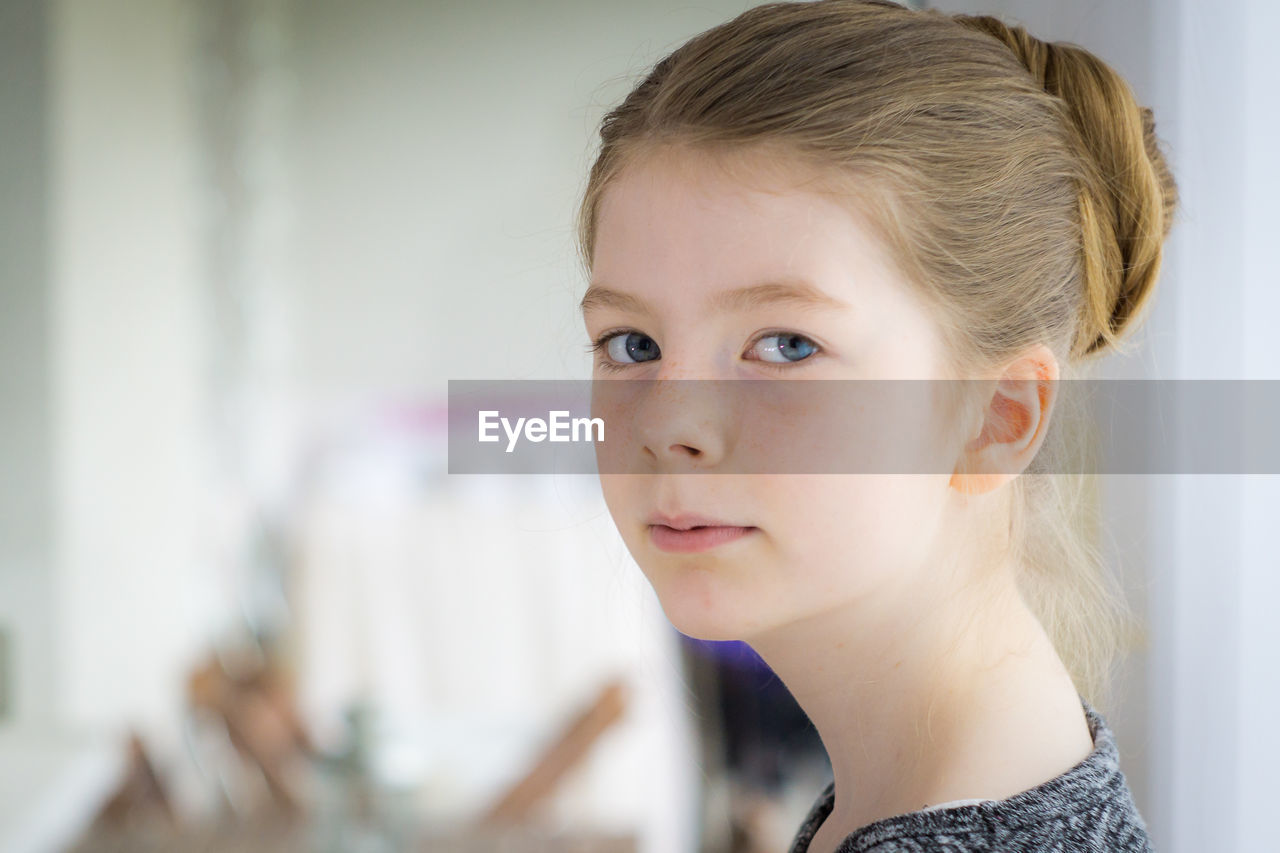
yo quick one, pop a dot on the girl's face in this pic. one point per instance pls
(674, 234)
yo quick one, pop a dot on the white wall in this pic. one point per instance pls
(127, 348)
(440, 150)
(26, 467)
(1216, 681)
(1258, 737)
(104, 589)
(101, 381)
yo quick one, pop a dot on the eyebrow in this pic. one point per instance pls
(795, 292)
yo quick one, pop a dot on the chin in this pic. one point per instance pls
(696, 601)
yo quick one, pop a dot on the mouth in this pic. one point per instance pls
(688, 521)
(700, 537)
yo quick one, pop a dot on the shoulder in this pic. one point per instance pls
(1088, 808)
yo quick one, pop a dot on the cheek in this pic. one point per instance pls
(853, 532)
(827, 539)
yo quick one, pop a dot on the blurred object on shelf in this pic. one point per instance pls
(274, 836)
(311, 801)
(251, 699)
(140, 796)
(259, 835)
(524, 839)
(560, 756)
(356, 806)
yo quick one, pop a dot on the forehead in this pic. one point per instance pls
(687, 219)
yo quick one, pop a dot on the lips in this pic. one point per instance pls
(696, 539)
(690, 532)
(687, 521)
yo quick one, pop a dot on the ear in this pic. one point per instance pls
(1013, 426)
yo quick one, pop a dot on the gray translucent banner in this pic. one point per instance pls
(848, 426)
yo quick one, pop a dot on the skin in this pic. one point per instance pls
(883, 601)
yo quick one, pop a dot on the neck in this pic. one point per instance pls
(898, 683)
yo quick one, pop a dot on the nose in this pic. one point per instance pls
(666, 424)
(684, 419)
(681, 423)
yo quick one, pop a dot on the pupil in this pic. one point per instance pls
(634, 348)
(790, 343)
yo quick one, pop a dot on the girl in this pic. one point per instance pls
(849, 189)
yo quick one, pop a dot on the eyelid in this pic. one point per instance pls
(600, 339)
(775, 333)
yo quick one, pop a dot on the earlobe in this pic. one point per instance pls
(976, 483)
(974, 475)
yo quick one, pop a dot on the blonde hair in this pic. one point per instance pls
(1017, 184)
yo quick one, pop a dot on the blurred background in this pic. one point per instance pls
(243, 246)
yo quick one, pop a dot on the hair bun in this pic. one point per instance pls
(1128, 199)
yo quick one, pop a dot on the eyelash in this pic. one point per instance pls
(595, 347)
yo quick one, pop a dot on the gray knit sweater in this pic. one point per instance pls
(1087, 808)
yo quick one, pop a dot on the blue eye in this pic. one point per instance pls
(624, 347)
(788, 347)
(635, 345)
